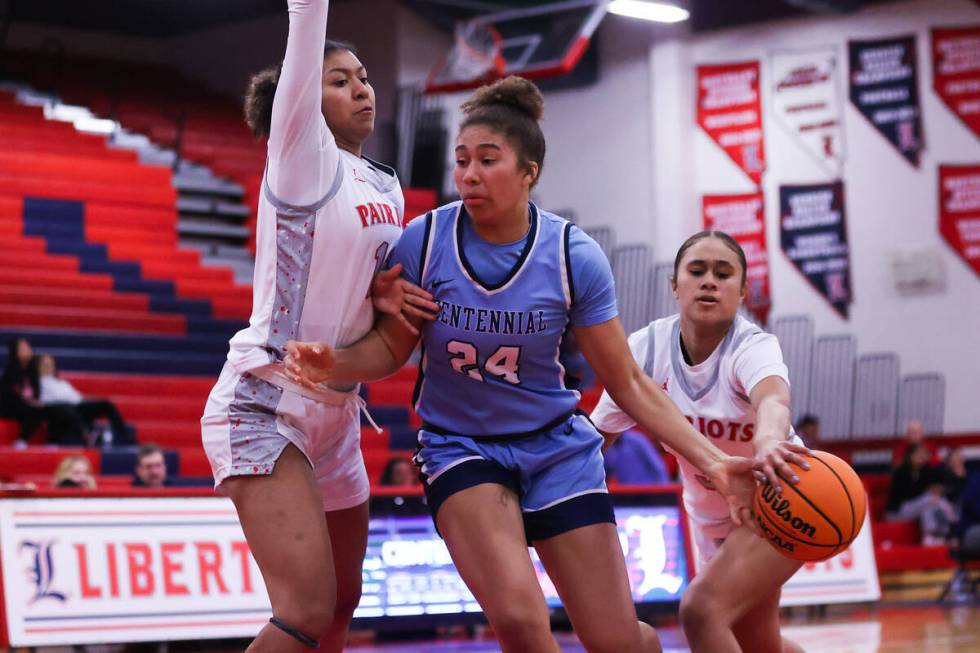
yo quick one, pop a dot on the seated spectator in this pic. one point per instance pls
(633, 460)
(970, 507)
(74, 472)
(56, 391)
(952, 473)
(916, 493)
(808, 428)
(399, 472)
(915, 434)
(967, 545)
(151, 467)
(20, 399)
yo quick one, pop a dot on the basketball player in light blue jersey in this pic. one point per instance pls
(505, 458)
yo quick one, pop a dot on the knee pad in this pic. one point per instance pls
(295, 633)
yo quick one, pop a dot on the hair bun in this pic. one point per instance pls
(258, 100)
(514, 92)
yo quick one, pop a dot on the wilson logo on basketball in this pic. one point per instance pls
(781, 508)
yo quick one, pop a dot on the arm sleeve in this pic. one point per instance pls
(758, 358)
(303, 155)
(408, 251)
(593, 287)
(607, 416)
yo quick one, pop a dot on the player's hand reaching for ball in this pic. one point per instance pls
(772, 459)
(395, 296)
(733, 477)
(309, 363)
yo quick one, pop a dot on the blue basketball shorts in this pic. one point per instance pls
(557, 473)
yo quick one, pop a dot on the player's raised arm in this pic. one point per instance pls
(300, 143)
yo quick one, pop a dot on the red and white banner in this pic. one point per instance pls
(730, 111)
(743, 218)
(959, 211)
(956, 72)
(107, 570)
(806, 103)
(849, 577)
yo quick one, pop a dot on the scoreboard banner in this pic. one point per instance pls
(956, 72)
(730, 112)
(104, 570)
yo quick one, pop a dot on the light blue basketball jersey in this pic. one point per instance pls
(492, 361)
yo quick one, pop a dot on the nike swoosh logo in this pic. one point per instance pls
(436, 284)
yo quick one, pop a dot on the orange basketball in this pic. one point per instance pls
(816, 518)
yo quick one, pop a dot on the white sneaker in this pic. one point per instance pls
(20, 444)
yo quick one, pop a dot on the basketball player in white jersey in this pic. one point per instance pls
(728, 378)
(289, 457)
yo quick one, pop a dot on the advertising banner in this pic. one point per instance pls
(103, 570)
(849, 577)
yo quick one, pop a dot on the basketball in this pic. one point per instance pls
(816, 518)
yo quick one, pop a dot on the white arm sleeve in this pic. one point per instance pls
(303, 155)
(759, 357)
(607, 416)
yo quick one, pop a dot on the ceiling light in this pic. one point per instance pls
(660, 12)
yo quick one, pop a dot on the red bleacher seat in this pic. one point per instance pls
(91, 319)
(193, 461)
(129, 206)
(904, 557)
(896, 533)
(391, 392)
(36, 460)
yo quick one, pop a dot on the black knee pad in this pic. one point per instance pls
(295, 633)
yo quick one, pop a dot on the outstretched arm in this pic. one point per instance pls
(605, 347)
(773, 450)
(299, 141)
(380, 353)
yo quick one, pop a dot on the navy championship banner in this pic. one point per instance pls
(884, 86)
(813, 235)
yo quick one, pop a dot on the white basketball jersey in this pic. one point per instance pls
(326, 220)
(713, 395)
(314, 264)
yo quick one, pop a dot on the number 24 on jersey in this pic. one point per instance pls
(503, 363)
